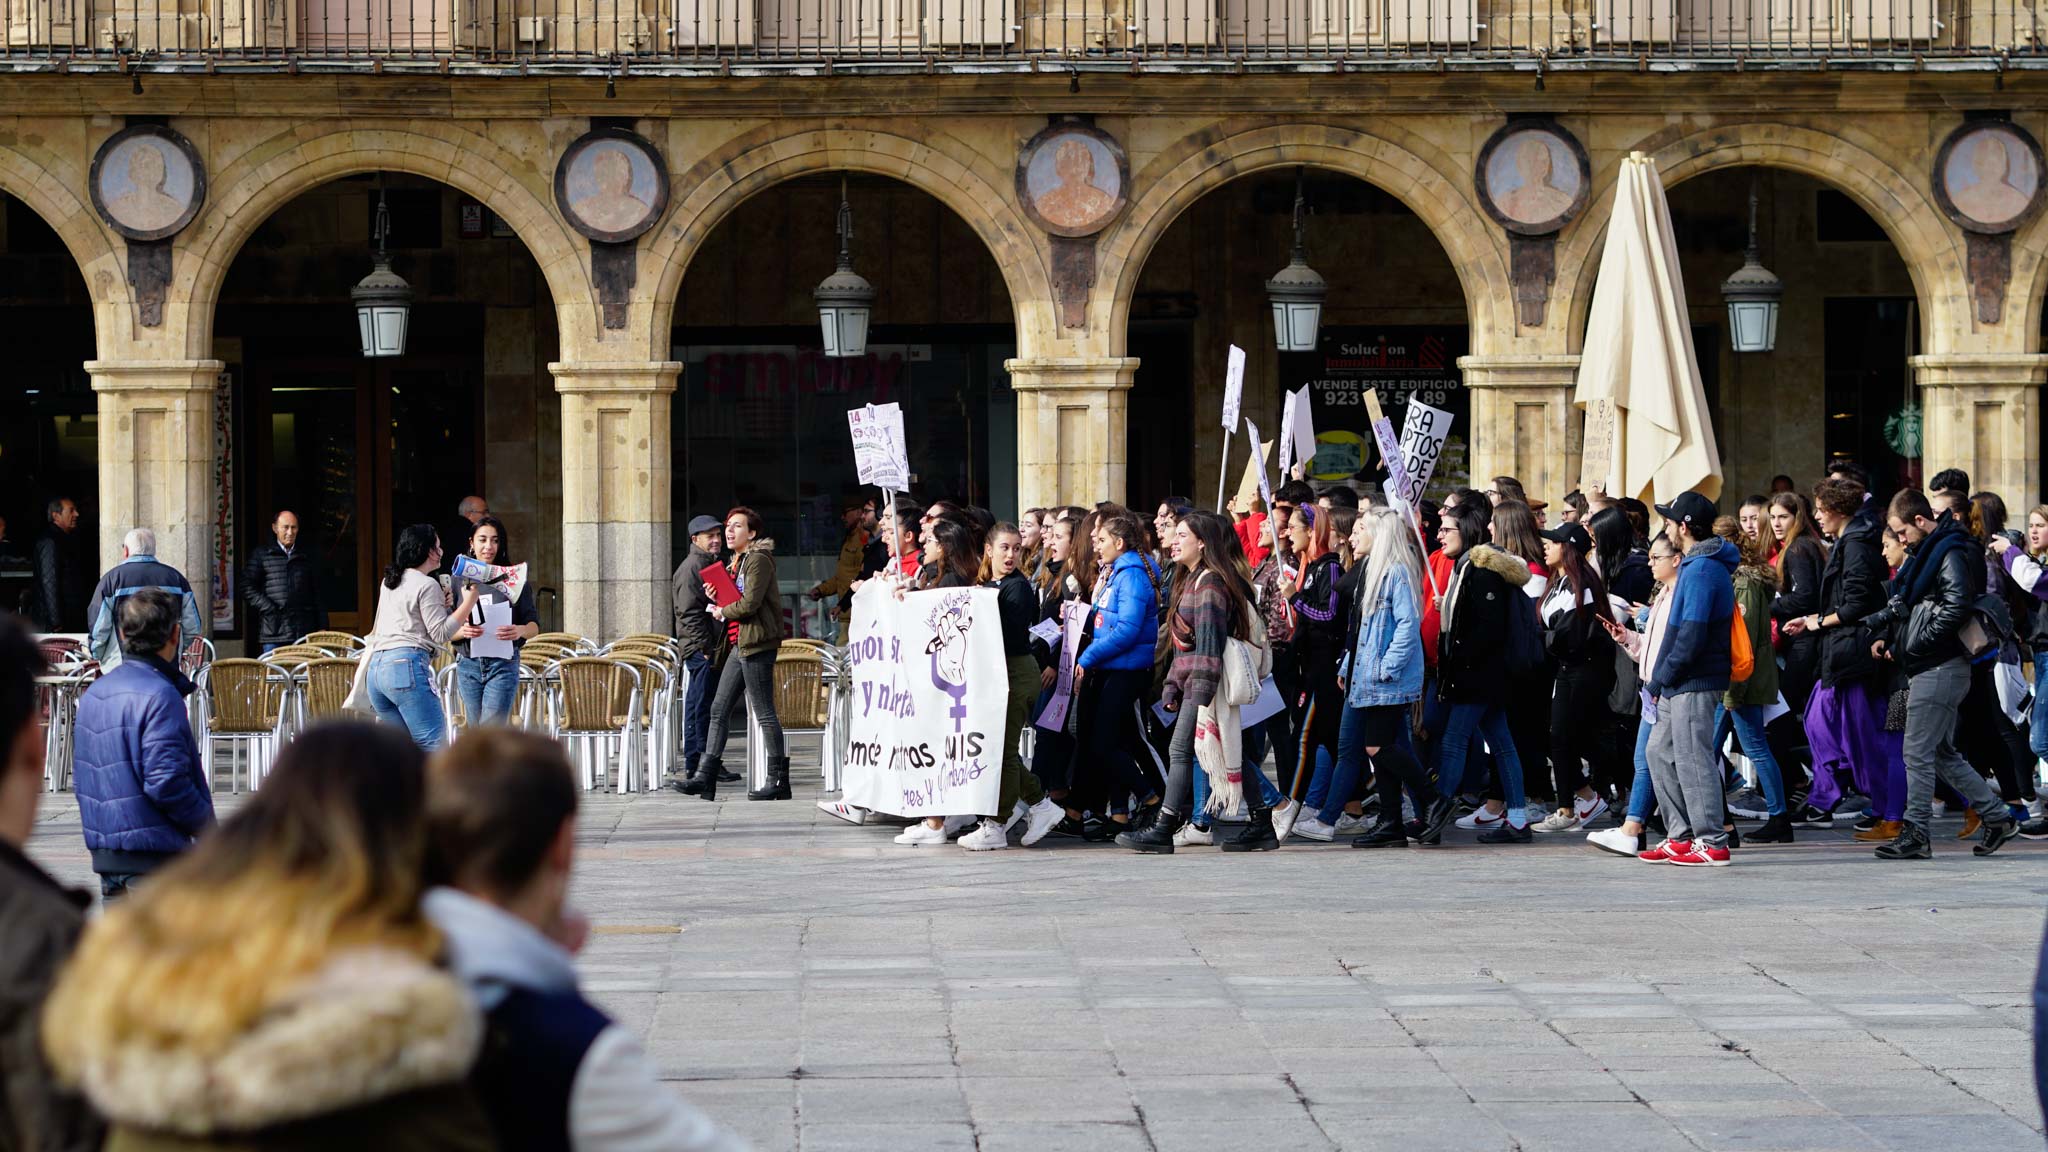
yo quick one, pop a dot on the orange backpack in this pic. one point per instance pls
(1741, 660)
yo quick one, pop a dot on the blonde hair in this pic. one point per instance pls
(328, 857)
(1393, 546)
(2040, 510)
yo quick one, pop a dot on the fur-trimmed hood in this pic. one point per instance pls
(1506, 565)
(372, 1024)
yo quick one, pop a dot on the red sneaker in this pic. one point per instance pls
(1663, 853)
(1701, 856)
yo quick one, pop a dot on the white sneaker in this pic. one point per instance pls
(1940, 808)
(1284, 818)
(1191, 836)
(920, 834)
(1562, 820)
(1481, 818)
(990, 836)
(1041, 819)
(1017, 812)
(2037, 808)
(958, 826)
(1590, 810)
(1314, 829)
(1349, 825)
(1616, 841)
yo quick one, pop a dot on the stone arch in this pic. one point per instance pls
(1902, 207)
(249, 189)
(1411, 170)
(950, 171)
(2029, 269)
(50, 195)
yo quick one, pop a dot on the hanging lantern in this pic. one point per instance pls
(1297, 292)
(845, 298)
(1752, 294)
(383, 299)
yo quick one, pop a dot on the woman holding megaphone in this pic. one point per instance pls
(488, 683)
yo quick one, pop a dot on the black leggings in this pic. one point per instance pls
(757, 674)
(1114, 733)
(1987, 738)
(1579, 727)
(1318, 726)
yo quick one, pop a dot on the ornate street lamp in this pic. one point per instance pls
(1752, 294)
(845, 298)
(383, 298)
(1297, 292)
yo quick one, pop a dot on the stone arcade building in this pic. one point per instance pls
(1068, 212)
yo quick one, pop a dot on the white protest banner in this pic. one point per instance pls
(1053, 717)
(1287, 436)
(1398, 480)
(879, 450)
(1233, 387)
(926, 736)
(1256, 463)
(1423, 432)
(1301, 426)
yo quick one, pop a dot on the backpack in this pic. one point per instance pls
(1741, 659)
(1523, 653)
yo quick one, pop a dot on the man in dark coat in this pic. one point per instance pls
(282, 586)
(64, 577)
(43, 922)
(143, 795)
(699, 634)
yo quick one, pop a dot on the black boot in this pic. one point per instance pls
(1912, 844)
(777, 787)
(1257, 834)
(692, 783)
(1776, 830)
(1386, 834)
(1439, 818)
(1156, 836)
(706, 779)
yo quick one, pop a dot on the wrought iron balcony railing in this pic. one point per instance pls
(1056, 35)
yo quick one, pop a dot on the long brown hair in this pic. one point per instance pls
(1222, 556)
(1514, 531)
(1002, 528)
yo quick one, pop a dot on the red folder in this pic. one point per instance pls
(718, 582)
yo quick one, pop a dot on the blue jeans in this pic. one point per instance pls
(1491, 722)
(269, 648)
(402, 692)
(1641, 794)
(696, 706)
(486, 686)
(114, 885)
(2037, 732)
(1749, 733)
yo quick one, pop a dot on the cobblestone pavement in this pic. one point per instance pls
(817, 987)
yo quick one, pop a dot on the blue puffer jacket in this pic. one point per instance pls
(1695, 656)
(1386, 663)
(137, 770)
(1126, 620)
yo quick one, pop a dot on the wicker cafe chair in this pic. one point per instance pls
(246, 704)
(655, 638)
(801, 700)
(324, 687)
(570, 643)
(658, 715)
(293, 655)
(598, 702)
(338, 642)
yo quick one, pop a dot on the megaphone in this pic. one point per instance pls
(512, 579)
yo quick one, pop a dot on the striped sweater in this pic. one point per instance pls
(1199, 627)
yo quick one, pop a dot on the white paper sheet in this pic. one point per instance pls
(496, 613)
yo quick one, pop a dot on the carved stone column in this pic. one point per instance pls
(1071, 446)
(1981, 413)
(615, 495)
(1523, 421)
(156, 461)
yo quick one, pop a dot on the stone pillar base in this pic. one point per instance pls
(1523, 422)
(1071, 446)
(1981, 413)
(156, 461)
(615, 496)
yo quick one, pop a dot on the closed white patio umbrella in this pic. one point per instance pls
(1647, 431)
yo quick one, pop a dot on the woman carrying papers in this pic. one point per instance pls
(487, 665)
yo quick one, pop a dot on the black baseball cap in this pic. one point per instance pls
(1570, 534)
(1693, 510)
(703, 524)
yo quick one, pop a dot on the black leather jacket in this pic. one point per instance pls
(1923, 630)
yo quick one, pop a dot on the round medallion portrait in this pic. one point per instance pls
(147, 182)
(611, 185)
(1987, 176)
(1532, 178)
(1072, 179)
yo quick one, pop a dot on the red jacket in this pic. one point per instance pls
(1440, 567)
